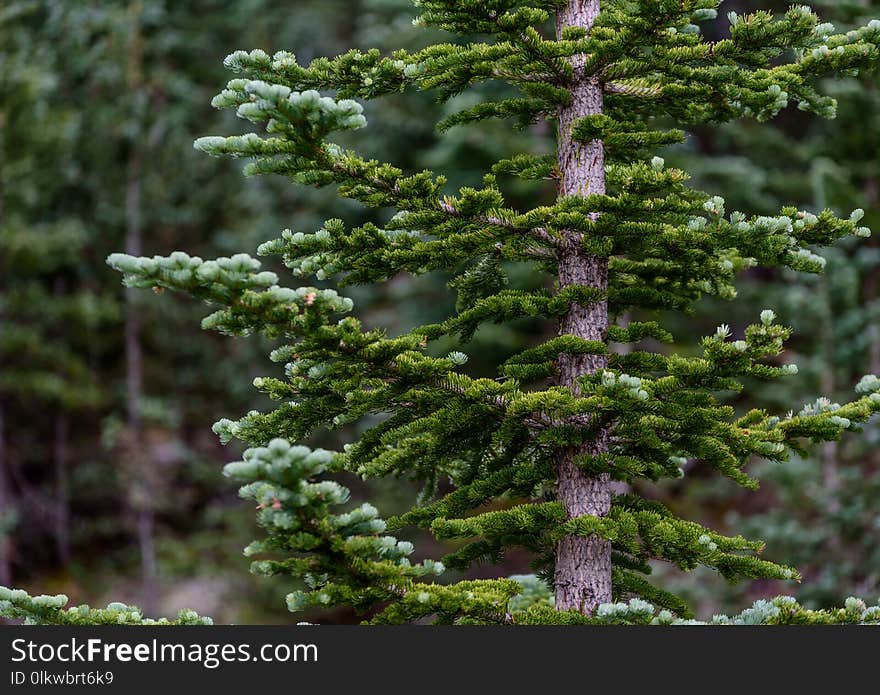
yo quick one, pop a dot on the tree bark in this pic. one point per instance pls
(61, 454)
(61, 458)
(870, 296)
(830, 468)
(7, 507)
(134, 359)
(7, 503)
(583, 564)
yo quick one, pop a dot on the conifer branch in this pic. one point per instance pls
(626, 231)
(538, 232)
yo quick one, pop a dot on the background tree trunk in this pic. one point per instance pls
(583, 565)
(7, 508)
(7, 504)
(870, 297)
(134, 359)
(61, 458)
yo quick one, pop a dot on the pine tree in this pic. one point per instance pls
(100, 101)
(622, 234)
(50, 307)
(818, 510)
(840, 480)
(526, 459)
(73, 115)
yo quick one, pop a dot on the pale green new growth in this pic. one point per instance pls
(51, 610)
(486, 450)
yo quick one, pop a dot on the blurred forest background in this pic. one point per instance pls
(109, 473)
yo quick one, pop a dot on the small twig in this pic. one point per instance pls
(537, 232)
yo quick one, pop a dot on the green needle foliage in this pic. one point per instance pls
(98, 103)
(497, 441)
(50, 610)
(492, 453)
(818, 511)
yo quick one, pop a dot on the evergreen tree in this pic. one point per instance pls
(76, 112)
(818, 510)
(51, 308)
(526, 459)
(831, 494)
(100, 102)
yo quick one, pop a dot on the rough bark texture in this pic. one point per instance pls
(583, 565)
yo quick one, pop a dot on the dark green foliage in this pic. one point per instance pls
(667, 244)
(100, 99)
(483, 448)
(818, 510)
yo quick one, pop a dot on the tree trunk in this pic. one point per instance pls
(61, 458)
(830, 468)
(134, 359)
(7, 503)
(7, 508)
(870, 297)
(583, 565)
(134, 372)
